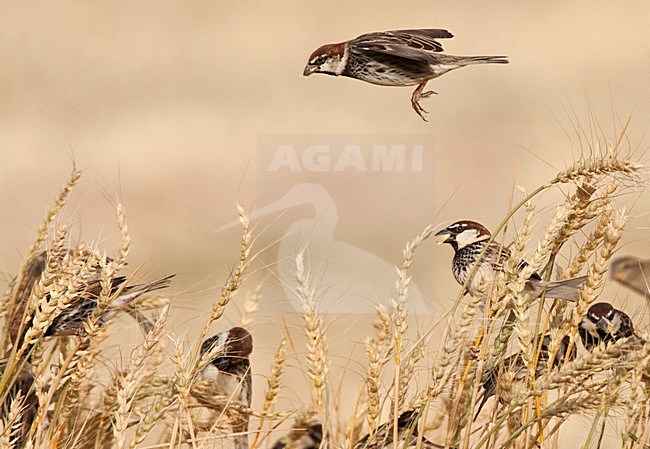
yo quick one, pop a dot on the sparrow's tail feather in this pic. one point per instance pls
(568, 290)
(128, 294)
(468, 60)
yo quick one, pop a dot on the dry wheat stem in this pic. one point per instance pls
(251, 304)
(229, 289)
(372, 383)
(128, 382)
(595, 275)
(11, 423)
(43, 229)
(273, 384)
(317, 361)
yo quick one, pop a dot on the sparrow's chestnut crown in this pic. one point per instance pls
(601, 310)
(329, 59)
(236, 343)
(463, 233)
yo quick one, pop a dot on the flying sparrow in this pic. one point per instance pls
(632, 272)
(393, 58)
(468, 239)
(227, 379)
(518, 372)
(603, 324)
(70, 321)
(407, 435)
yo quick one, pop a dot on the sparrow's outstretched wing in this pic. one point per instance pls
(409, 44)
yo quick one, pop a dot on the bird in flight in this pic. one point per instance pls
(394, 58)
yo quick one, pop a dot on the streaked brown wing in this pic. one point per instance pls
(627, 326)
(410, 44)
(499, 254)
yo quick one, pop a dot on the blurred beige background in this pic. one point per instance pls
(161, 105)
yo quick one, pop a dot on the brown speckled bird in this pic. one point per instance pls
(632, 272)
(469, 239)
(70, 321)
(304, 435)
(518, 372)
(394, 58)
(407, 434)
(227, 378)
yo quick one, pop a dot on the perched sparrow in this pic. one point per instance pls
(468, 239)
(393, 58)
(632, 272)
(604, 323)
(407, 434)
(516, 366)
(227, 378)
(71, 319)
(309, 437)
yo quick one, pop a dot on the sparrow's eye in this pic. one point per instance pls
(319, 60)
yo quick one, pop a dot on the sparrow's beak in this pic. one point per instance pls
(443, 236)
(605, 325)
(309, 69)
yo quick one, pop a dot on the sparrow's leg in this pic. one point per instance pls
(415, 99)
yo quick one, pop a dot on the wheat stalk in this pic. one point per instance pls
(273, 384)
(317, 361)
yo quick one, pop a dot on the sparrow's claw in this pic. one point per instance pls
(428, 93)
(420, 111)
(415, 100)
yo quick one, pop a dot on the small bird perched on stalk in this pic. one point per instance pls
(469, 239)
(516, 366)
(70, 320)
(604, 324)
(304, 435)
(226, 381)
(407, 434)
(394, 58)
(632, 272)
